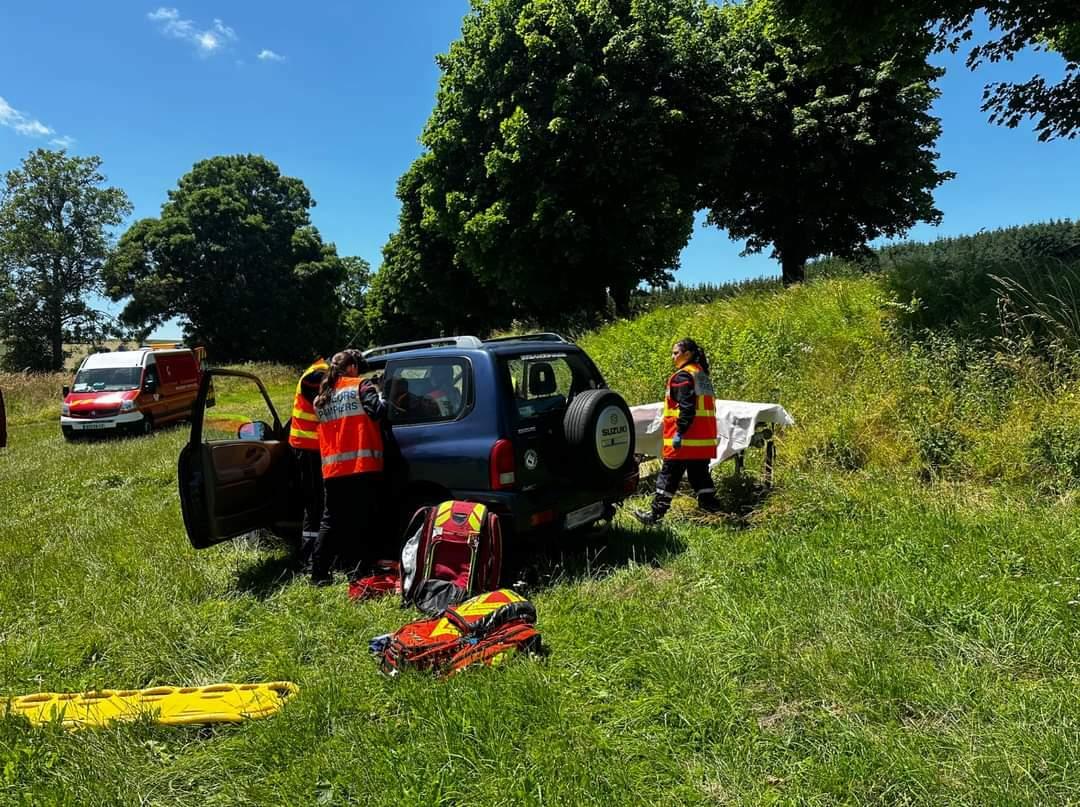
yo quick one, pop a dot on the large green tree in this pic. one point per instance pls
(235, 256)
(352, 292)
(421, 290)
(828, 157)
(55, 218)
(560, 167)
(851, 29)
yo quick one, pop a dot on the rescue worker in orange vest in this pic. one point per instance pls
(689, 433)
(351, 450)
(304, 439)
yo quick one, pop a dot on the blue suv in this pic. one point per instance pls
(524, 424)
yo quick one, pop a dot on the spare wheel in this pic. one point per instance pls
(600, 430)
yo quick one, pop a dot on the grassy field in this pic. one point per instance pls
(895, 624)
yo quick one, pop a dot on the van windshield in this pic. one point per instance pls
(111, 379)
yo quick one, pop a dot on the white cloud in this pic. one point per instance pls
(206, 40)
(64, 142)
(27, 126)
(267, 55)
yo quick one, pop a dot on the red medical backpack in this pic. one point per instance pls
(485, 629)
(452, 551)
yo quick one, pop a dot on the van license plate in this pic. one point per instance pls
(85, 426)
(584, 515)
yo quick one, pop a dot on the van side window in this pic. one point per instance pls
(426, 390)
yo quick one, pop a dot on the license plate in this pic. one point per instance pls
(84, 426)
(584, 515)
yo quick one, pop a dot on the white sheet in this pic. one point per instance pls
(735, 424)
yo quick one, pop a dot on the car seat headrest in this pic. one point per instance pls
(541, 379)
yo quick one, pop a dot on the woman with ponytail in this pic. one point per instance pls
(689, 432)
(351, 453)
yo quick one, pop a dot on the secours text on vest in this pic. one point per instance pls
(350, 441)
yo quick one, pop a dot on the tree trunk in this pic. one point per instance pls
(56, 313)
(793, 269)
(56, 327)
(620, 297)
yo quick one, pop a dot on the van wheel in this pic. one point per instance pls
(146, 426)
(599, 427)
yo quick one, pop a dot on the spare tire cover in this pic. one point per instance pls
(598, 422)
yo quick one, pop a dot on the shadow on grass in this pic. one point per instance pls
(571, 557)
(267, 575)
(739, 496)
(549, 558)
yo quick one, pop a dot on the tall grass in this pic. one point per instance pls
(32, 397)
(894, 624)
(865, 394)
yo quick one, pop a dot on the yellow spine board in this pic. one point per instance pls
(167, 705)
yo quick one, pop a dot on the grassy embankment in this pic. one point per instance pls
(895, 624)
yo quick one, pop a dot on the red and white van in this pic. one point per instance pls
(132, 390)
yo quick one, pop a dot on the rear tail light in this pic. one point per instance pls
(503, 474)
(543, 517)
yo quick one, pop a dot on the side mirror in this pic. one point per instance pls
(255, 430)
(150, 385)
(64, 390)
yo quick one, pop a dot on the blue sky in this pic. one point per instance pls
(336, 93)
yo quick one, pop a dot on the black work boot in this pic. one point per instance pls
(709, 503)
(647, 517)
(321, 578)
(660, 505)
(303, 555)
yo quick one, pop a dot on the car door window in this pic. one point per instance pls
(239, 402)
(426, 390)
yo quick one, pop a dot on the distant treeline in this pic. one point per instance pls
(1014, 283)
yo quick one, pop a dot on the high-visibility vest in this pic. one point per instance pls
(303, 431)
(699, 441)
(350, 442)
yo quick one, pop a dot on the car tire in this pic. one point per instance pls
(146, 425)
(599, 429)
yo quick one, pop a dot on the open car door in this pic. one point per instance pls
(237, 473)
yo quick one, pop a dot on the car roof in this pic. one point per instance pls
(114, 359)
(458, 346)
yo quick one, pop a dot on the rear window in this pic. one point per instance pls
(426, 390)
(546, 382)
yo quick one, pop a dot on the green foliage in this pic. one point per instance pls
(1018, 277)
(563, 156)
(54, 220)
(352, 291)
(1054, 449)
(234, 255)
(644, 301)
(829, 157)
(850, 29)
(420, 290)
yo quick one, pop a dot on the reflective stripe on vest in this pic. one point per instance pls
(350, 442)
(350, 455)
(303, 431)
(699, 440)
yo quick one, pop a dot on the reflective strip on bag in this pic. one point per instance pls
(345, 456)
(691, 443)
